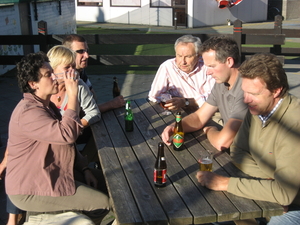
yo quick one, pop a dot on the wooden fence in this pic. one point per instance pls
(275, 37)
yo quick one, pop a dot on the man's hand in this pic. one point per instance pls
(115, 103)
(118, 102)
(175, 103)
(212, 181)
(90, 179)
(167, 133)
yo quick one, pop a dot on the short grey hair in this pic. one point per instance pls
(189, 39)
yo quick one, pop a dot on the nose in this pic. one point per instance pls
(86, 54)
(53, 76)
(209, 71)
(247, 98)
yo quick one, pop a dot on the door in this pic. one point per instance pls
(179, 13)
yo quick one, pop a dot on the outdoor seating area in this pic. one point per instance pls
(127, 158)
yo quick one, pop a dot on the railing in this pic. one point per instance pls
(275, 37)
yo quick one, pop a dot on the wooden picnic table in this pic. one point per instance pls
(128, 159)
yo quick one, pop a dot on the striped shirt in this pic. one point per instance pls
(264, 119)
(169, 78)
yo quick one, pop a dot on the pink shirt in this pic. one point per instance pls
(169, 78)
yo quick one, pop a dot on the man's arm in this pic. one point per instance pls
(159, 84)
(115, 103)
(192, 122)
(222, 139)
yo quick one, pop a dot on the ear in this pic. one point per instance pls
(277, 92)
(230, 62)
(33, 85)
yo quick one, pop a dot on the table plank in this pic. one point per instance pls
(126, 210)
(149, 207)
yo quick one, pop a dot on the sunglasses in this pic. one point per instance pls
(81, 51)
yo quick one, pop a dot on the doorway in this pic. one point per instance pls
(179, 13)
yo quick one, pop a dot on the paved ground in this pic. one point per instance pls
(132, 85)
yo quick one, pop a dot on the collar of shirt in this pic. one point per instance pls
(264, 119)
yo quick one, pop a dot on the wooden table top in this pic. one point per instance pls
(128, 159)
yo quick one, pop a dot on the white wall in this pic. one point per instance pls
(130, 15)
(200, 13)
(207, 14)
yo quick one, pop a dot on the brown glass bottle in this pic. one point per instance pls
(160, 167)
(178, 136)
(116, 89)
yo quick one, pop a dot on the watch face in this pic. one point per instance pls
(187, 102)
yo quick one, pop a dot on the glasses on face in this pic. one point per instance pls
(58, 76)
(81, 51)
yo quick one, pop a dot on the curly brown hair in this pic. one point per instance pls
(28, 69)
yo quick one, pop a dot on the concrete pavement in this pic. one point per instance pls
(132, 85)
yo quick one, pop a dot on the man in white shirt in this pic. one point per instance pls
(184, 76)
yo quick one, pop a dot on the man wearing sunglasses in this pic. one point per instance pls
(78, 44)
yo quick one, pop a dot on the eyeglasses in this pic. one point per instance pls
(81, 51)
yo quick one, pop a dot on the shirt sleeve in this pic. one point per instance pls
(159, 84)
(37, 123)
(88, 104)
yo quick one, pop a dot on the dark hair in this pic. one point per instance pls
(68, 40)
(28, 69)
(267, 67)
(224, 47)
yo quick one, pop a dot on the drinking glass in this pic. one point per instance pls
(205, 161)
(163, 98)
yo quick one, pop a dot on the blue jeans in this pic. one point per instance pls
(292, 217)
(11, 208)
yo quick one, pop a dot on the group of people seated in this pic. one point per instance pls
(260, 129)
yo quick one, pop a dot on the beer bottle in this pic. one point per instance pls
(116, 89)
(160, 167)
(178, 136)
(128, 117)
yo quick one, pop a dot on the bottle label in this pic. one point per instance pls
(160, 176)
(178, 118)
(178, 140)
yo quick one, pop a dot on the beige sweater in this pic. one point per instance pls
(272, 152)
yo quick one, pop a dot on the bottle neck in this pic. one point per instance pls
(178, 118)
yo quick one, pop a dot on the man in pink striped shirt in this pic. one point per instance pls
(184, 76)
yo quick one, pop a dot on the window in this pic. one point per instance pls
(161, 3)
(136, 3)
(167, 3)
(90, 2)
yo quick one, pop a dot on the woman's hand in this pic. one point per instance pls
(71, 82)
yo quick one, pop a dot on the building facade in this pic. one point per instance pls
(23, 18)
(188, 13)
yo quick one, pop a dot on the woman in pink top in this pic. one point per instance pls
(43, 164)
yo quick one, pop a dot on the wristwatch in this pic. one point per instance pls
(187, 103)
